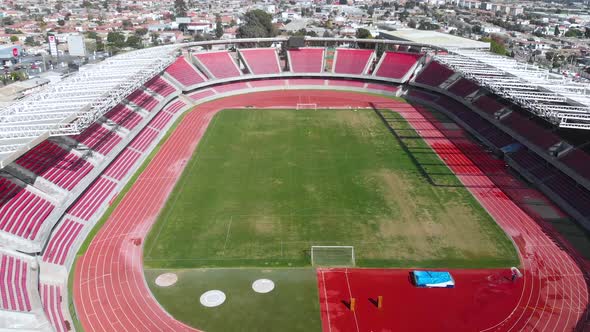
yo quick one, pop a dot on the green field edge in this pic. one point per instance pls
(304, 262)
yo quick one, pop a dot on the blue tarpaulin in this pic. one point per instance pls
(433, 279)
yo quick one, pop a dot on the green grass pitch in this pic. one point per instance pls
(266, 185)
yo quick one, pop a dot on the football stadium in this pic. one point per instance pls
(297, 184)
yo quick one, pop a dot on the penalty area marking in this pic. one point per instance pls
(212, 298)
(263, 286)
(166, 279)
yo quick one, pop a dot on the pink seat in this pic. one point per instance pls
(463, 87)
(396, 65)
(160, 86)
(98, 138)
(218, 64)
(434, 74)
(55, 164)
(185, 73)
(52, 298)
(123, 116)
(352, 61)
(306, 60)
(61, 241)
(93, 197)
(261, 60)
(14, 294)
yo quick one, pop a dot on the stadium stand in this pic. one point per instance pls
(422, 95)
(60, 242)
(160, 120)
(306, 60)
(174, 107)
(306, 81)
(143, 100)
(98, 138)
(88, 203)
(184, 73)
(52, 299)
(268, 83)
(260, 61)
(528, 129)
(21, 211)
(579, 161)
(463, 87)
(462, 114)
(122, 164)
(355, 84)
(143, 140)
(160, 86)
(201, 94)
(382, 87)
(396, 65)
(217, 65)
(488, 104)
(55, 164)
(231, 87)
(14, 273)
(352, 61)
(571, 192)
(434, 74)
(123, 116)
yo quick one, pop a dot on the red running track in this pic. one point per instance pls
(111, 294)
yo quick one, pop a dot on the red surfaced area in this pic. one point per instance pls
(110, 292)
(481, 298)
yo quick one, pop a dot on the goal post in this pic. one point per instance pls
(310, 106)
(332, 256)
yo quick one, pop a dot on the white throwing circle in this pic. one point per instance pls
(212, 298)
(166, 279)
(263, 285)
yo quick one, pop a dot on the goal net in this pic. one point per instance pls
(307, 107)
(332, 256)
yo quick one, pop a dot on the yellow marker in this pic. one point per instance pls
(352, 303)
(379, 301)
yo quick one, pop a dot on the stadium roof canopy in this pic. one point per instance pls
(439, 39)
(74, 103)
(556, 98)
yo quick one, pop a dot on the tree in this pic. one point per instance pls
(13, 39)
(257, 24)
(116, 39)
(180, 8)
(218, 27)
(30, 41)
(61, 23)
(362, 33)
(154, 37)
(141, 31)
(587, 33)
(133, 41)
(127, 24)
(7, 21)
(573, 33)
(556, 31)
(59, 6)
(496, 45)
(412, 24)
